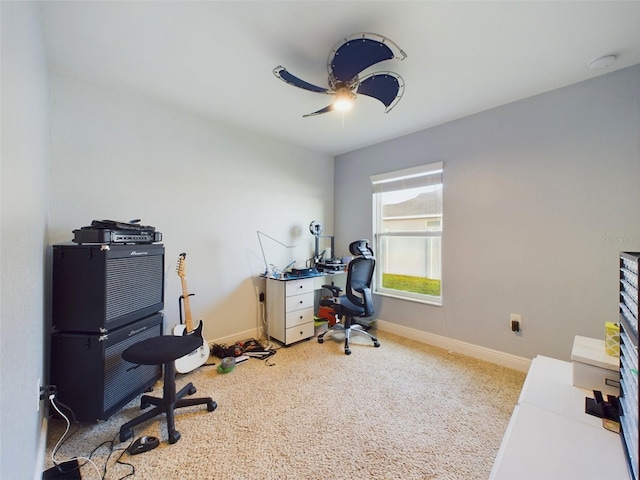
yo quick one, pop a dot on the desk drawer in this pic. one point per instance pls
(299, 317)
(298, 302)
(297, 287)
(299, 332)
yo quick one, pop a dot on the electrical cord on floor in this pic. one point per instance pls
(57, 446)
(269, 363)
(75, 420)
(64, 438)
(133, 469)
(112, 450)
(265, 328)
(269, 346)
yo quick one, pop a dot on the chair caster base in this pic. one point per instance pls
(376, 344)
(347, 351)
(174, 436)
(320, 340)
(211, 406)
(126, 435)
(191, 391)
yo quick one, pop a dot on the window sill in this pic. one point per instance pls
(433, 303)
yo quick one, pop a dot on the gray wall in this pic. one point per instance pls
(540, 196)
(24, 185)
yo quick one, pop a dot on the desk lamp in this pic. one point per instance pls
(274, 272)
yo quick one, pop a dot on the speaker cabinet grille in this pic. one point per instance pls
(121, 378)
(125, 277)
(98, 288)
(92, 377)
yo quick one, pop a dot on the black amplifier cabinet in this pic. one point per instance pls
(98, 288)
(90, 374)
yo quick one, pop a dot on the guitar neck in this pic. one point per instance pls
(188, 321)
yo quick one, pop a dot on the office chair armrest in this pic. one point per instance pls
(327, 302)
(334, 289)
(367, 301)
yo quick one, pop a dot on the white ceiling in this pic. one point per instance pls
(216, 57)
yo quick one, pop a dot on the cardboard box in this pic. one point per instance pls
(593, 369)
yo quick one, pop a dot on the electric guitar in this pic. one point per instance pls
(198, 357)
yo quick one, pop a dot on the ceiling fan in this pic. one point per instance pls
(347, 60)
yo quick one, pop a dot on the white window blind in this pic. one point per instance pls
(422, 176)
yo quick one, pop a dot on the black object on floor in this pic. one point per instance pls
(65, 471)
(143, 444)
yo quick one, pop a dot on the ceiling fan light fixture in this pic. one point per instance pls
(342, 105)
(347, 60)
(344, 101)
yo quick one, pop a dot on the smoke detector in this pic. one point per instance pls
(602, 62)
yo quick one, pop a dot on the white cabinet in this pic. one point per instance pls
(551, 437)
(290, 309)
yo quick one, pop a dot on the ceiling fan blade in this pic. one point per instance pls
(388, 87)
(285, 76)
(326, 109)
(356, 53)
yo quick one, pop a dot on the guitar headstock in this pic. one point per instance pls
(181, 268)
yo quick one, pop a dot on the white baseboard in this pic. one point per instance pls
(42, 449)
(236, 337)
(475, 351)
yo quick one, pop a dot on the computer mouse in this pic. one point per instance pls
(143, 444)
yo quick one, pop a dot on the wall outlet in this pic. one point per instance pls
(515, 322)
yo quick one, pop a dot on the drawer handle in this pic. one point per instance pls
(300, 286)
(611, 383)
(301, 302)
(301, 317)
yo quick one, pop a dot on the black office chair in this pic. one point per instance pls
(357, 301)
(164, 350)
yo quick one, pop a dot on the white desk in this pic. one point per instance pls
(291, 305)
(550, 437)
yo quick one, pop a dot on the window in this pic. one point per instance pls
(407, 209)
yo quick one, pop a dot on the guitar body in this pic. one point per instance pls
(198, 357)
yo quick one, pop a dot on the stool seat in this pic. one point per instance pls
(160, 350)
(164, 350)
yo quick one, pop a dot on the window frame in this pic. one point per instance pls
(398, 180)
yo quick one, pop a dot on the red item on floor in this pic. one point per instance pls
(327, 313)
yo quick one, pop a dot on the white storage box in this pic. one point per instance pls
(593, 369)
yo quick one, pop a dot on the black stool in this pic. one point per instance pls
(164, 350)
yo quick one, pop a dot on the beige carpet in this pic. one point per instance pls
(402, 411)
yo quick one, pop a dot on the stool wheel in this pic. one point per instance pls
(347, 351)
(192, 390)
(174, 436)
(320, 340)
(211, 406)
(376, 344)
(126, 435)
